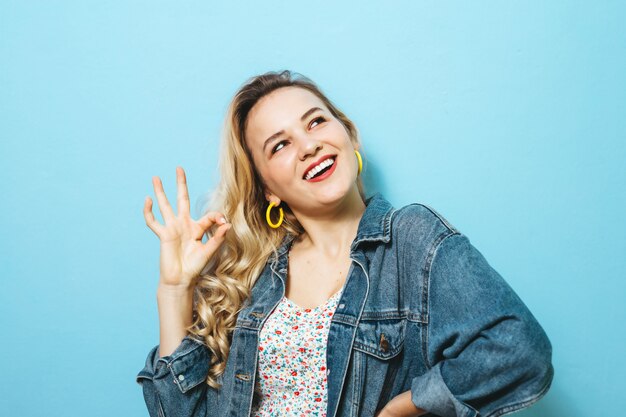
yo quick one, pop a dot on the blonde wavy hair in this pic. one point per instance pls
(226, 281)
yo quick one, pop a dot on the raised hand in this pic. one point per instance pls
(183, 254)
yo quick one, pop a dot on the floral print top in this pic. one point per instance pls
(291, 371)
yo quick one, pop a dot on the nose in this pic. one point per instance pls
(309, 146)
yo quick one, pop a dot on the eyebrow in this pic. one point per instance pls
(277, 134)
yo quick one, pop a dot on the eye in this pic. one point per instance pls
(320, 118)
(278, 146)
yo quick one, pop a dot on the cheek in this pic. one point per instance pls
(341, 131)
(280, 170)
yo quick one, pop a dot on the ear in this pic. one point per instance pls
(269, 196)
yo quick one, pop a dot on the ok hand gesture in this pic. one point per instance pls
(183, 255)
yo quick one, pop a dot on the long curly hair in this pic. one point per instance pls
(226, 281)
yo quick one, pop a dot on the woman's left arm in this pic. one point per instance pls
(486, 353)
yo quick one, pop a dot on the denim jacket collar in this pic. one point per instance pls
(376, 221)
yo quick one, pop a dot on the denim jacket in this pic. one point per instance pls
(421, 310)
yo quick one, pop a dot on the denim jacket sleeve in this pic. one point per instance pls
(174, 385)
(487, 355)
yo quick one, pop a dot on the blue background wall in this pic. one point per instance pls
(506, 117)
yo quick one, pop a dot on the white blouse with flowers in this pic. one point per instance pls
(291, 371)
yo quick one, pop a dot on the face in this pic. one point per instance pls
(304, 154)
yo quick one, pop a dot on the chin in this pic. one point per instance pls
(333, 195)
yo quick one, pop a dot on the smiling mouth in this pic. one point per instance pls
(320, 169)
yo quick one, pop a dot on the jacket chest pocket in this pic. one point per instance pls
(381, 338)
(378, 346)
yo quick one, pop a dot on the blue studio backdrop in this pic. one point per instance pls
(507, 117)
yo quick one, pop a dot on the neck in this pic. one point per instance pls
(332, 232)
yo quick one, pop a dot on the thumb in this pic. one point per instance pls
(216, 240)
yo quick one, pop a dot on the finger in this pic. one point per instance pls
(209, 219)
(183, 192)
(151, 222)
(216, 240)
(164, 206)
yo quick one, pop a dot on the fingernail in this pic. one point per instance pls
(222, 220)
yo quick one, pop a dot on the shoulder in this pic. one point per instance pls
(422, 219)
(415, 225)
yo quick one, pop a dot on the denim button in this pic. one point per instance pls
(384, 343)
(342, 305)
(181, 377)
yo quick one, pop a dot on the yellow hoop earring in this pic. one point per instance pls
(269, 220)
(358, 157)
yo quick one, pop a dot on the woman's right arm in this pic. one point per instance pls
(175, 385)
(175, 371)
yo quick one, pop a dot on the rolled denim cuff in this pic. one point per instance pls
(188, 365)
(430, 393)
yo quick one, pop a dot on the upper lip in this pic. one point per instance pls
(316, 163)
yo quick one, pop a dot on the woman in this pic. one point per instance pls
(310, 299)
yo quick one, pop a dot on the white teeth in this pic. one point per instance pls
(326, 163)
